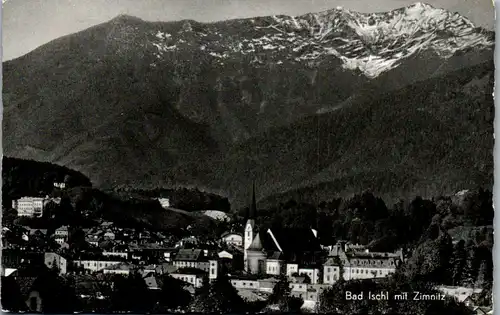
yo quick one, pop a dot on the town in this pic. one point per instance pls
(254, 260)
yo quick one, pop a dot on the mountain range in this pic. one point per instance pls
(332, 103)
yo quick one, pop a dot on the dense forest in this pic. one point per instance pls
(32, 178)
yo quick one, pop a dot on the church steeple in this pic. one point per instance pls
(253, 206)
(249, 232)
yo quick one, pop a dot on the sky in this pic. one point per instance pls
(27, 24)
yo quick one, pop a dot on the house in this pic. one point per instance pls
(169, 254)
(193, 258)
(62, 231)
(109, 235)
(192, 276)
(53, 260)
(95, 264)
(122, 268)
(61, 235)
(92, 240)
(232, 239)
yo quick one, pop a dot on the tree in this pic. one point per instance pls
(482, 274)
(281, 296)
(131, 294)
(11, 297)
(281, 291)
(469, 273)
(172, 294)
(458, 263)
(218, 297)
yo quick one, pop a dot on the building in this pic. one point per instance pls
(61, 235)
(60, 185)
(29, 206)
(232, 239)
(95, 264)
(164, 202)
(92, 239)
(192, 276)
(192, 258)
(358, 264)
(62, 231)
(109, 236)
(213, 269)
(122, 268)
(53, 260)
(120, 254)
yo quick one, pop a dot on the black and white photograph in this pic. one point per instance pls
(247, 156)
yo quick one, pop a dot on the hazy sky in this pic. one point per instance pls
(27, 24)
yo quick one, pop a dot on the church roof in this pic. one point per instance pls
(256, 243)
(296, 240)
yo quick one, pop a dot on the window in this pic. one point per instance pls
(329, 269)
(327, 278)
(212, 271)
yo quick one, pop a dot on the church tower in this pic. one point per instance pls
(249, 233)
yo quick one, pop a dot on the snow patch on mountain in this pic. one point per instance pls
(370, 42)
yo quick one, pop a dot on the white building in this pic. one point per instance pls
(123, 268)
(359, 265)
(312, 273)
(164, 202)
(60, 185)
(233, 239)
(29, 206)
(192, 277)
(95, 265)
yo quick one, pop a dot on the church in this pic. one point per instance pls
(277, 251)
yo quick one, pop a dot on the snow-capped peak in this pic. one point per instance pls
(370, 42)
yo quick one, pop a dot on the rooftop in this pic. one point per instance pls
(190, 271)
(189, 255)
